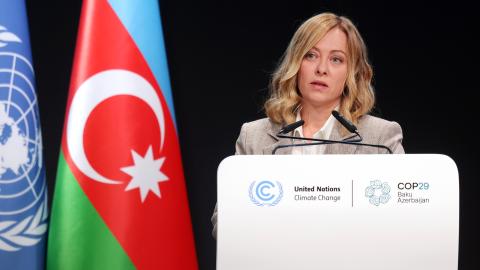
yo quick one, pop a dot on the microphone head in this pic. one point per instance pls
(288, 128)
(347, 124)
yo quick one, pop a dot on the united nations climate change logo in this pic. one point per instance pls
(265, 193)
(23, 208)
(378, 192)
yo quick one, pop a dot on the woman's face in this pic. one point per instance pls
(323, 72)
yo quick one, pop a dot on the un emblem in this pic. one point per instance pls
(265, 193)
(378, 192)
(23, 197)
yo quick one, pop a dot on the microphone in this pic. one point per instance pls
(289, 128)
(342, 120)
(347, 124)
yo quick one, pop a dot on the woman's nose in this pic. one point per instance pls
(322, 67)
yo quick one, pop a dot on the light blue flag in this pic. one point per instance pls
(23, 191)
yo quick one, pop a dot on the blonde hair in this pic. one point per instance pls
(357, 98)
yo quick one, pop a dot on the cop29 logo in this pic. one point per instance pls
(265, 193)
(378, 192)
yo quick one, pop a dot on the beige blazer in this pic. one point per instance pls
(258, 138)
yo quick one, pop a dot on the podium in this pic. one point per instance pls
(338, 212)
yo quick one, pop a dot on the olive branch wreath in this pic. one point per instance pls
(275, 202)
(28, 232)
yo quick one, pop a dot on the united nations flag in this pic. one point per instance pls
(23, 191)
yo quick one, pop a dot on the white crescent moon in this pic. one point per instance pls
(97, 88)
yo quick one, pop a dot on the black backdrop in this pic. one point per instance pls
(221, 54)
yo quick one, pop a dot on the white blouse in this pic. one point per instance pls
(323, 133)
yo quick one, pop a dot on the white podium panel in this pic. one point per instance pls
(338, 212)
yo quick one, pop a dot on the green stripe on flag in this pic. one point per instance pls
(78, 237)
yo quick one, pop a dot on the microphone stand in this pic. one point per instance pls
(347, 124)
(320, 142)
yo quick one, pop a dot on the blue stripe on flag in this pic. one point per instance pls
(142, 21)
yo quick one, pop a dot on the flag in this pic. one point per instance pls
(23, 190)
(120, 198)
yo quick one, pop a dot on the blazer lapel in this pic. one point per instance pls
(338, 148)
(277, 142)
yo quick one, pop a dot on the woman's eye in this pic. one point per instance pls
(337, 60)
(310, 55)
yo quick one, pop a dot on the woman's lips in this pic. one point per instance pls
(319, 85)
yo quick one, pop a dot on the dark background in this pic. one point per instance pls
(221, 55)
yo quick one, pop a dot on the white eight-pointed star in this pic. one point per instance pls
(145, 173)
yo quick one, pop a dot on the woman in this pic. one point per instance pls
(324, 68)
